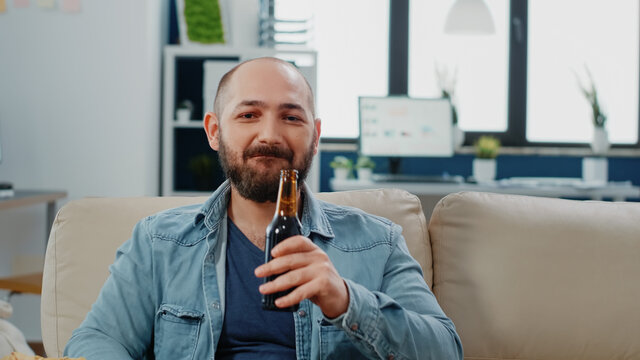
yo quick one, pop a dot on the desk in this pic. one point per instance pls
(616, 191)
(32, 197)
(30, 283)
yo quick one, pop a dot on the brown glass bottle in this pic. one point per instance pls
(285, 224)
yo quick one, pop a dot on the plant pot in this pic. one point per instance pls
(600, 143)
(364, 174)
(484, 170)
(595, 170)
(341, 173)
(458, 137)
(183, 116)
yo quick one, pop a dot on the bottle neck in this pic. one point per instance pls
(287, 204)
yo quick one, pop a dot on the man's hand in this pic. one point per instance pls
(305, 266)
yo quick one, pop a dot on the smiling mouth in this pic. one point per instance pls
(268, 157)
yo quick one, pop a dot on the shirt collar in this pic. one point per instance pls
(313, 219)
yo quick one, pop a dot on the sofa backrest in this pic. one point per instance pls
(537, 278)
(87, 232)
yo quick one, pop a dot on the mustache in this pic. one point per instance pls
(268, 150)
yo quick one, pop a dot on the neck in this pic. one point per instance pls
(252, 217)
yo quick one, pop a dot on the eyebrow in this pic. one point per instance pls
(262, 104)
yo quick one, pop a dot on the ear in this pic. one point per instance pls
(317, 126)
(212, 128)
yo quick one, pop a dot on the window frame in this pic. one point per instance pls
(515, 135)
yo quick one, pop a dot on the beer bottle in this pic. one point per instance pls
(285, 224)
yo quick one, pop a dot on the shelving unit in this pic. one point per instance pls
(185, 143)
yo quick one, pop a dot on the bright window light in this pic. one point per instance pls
(564, 37)
(480, 63)
(352, 41)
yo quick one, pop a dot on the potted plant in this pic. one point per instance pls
(341, 167)
(364, 167)
(484, 165)
(202, 167)
(183, 111)
(600, 143)
(447, 84)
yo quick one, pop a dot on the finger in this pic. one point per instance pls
(332, 302)
(294, 244)
(286, 263)
(287, 281)
(297, 295)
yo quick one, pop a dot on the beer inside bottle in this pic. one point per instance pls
(285, 224)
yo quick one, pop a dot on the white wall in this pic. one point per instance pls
(79, 111)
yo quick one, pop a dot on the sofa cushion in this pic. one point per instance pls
(538, 278)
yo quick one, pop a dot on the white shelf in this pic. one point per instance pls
(194, 124)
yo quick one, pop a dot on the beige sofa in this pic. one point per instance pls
(521, 277)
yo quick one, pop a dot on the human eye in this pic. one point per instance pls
(246, 116)
(293, 118)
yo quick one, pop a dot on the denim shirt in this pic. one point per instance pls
(164, 298)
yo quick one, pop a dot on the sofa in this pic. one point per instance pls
(521, 277)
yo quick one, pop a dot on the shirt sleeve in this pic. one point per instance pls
(403, 319)
(120, 322)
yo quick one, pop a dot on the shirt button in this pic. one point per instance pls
(354, 327)
(210, 258)
(390, 357)
(215, 305)
(302, 313)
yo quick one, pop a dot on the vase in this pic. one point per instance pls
(595, 170)
(484, 170)
(458, 137)
(341, 173)
(600, 142)
(364, 174)
(183, 116)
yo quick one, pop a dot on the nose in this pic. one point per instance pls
(270, 131)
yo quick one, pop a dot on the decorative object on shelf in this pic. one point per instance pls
(469, 17)
(201, 168)
(600, 142)
(595, 170)
(183, 111)
(341, 167)
(201, 22)
(364, 167)
(275, 30)
(447, 85)
(484, 165)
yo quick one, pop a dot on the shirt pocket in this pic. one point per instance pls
(335, 344)
(176, 333)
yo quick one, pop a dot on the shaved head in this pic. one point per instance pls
(224, 86)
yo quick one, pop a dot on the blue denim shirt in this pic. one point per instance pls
(165, 296)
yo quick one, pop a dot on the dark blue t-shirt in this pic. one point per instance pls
(248, 332)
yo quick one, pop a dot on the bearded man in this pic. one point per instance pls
(188, 283)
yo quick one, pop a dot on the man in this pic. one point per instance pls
(188, 282)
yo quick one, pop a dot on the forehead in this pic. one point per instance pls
(269, 81)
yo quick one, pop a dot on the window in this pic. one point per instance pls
(518, 84)
(352, 41)
(565, 37)
(479, 63)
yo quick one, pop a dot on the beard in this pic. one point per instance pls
(259, 185)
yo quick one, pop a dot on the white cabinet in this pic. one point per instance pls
(189, 165)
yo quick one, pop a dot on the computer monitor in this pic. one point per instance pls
(401, 126)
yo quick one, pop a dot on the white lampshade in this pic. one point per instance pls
(469, 17)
